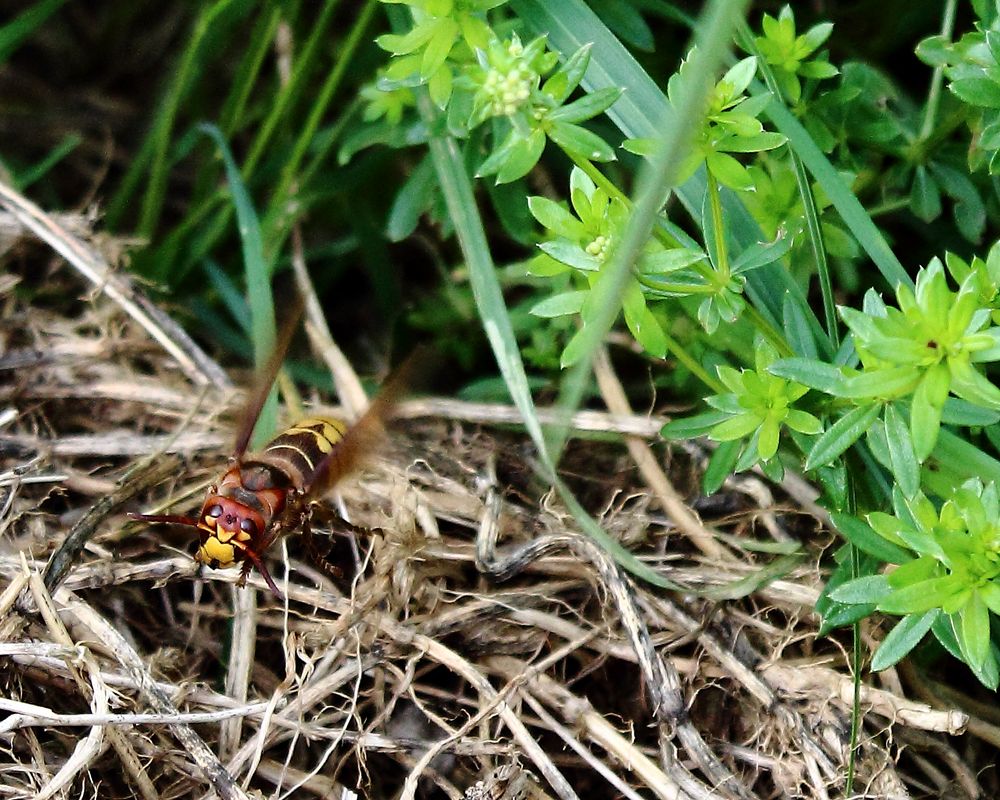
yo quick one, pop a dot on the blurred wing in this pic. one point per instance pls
(264, 380)
(365, 435)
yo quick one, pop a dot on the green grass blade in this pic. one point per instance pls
(656, 179)
(464, 214)
(460, 200)
(850, 209)
(28, 176)
(305, 63)
(258, 279)
(260, 45)
(151, 164)
(811, 213)
(13, 34)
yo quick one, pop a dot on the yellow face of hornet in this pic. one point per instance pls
(228, 529)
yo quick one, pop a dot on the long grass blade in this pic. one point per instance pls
(258, 279)
(13, 34)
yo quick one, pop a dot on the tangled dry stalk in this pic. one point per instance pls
(487, 650)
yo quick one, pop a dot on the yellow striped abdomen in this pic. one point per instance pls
(296, 453)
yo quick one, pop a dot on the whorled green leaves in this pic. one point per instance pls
(948, 564)
(755, 410)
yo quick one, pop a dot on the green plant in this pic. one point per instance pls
(907, 380)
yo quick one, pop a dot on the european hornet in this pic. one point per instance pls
(266, 495)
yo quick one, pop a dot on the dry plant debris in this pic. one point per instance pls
(486, 650)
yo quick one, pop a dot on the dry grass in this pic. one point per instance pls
(136, 675)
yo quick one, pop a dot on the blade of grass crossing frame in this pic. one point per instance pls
(655, 181)
(454, 181)
(461, 202)
(258, 279)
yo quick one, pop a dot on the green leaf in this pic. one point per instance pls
(969, 212)
(756, 143)
(869, 589)
(974, 632)
(902, 457)
(406, 43)
(944, 631)
(560, 304)
(720, 465)
(735, 427)
(641, 322)
(925, 410)
(412, 200)
(555, 217)
(961, 412)
(971, 385)
(816, 35)
(739, 75)
(841, 435)
(850, 563)
(762, 253)
(964, 460)
(925, 198)
(818, 70)
(868, 541)
(906, 635)
(566, 79)
(521, 157)
(768, 438)
(667, 261)
(934, 50)
(809, 372)
(692, 427)
(840, 615)
(882, 384)
(728, 171)
(981, 92)
(587, 107)
(990, 592)
(580, 142)
(438, 47)
(921, 596)
(571, 254)
(803, 422)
